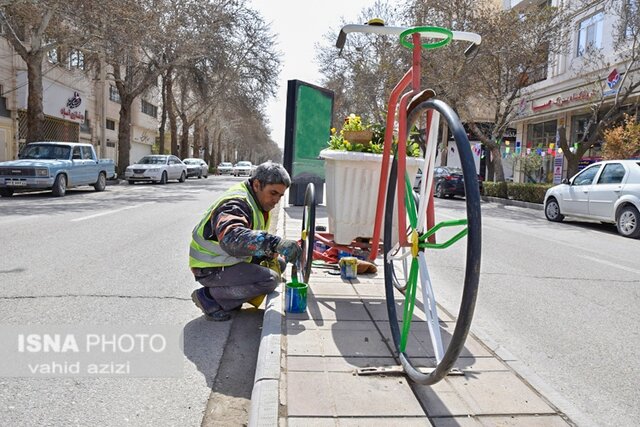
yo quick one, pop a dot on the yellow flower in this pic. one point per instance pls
(333, 131)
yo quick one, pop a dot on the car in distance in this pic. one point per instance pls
(448, 181)
(606, 191)
(55, 166)
(196, 168)
(243, 168)
(156, 168)
(225, 168)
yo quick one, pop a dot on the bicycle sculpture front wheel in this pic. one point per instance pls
(416, 263)
(308, 230)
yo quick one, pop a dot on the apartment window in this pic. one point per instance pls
(579, 127)
(590, 33)
(149, 109)
(76, 59)
(114, 95)
(86, 125)
(630, 19)
(111, 125)
(52, 56)
(540, 135)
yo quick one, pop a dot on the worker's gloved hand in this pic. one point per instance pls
(289, 249)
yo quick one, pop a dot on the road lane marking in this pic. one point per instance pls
(558, 242)
(110, 212)
(610, 264)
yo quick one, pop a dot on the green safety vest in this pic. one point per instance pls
(205, 253)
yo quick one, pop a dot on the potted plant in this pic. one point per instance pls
(352, 173)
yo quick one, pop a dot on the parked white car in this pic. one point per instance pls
(607, 191)
(225, 168)
(243, 168)
(196, 167)
(156, 168)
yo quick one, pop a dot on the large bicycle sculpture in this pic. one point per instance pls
(408, 244)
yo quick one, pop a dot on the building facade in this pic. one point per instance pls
(562, 97)
(78, 105)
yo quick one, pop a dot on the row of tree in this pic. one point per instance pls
(485, 89)
(216, 61)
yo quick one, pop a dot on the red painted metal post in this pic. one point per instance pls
(384, 169)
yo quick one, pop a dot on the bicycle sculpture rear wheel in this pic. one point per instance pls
(308, 230)
(420, 254)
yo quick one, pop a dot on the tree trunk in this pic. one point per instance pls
(496, 162)
(206, 143)
(163, 117)
(184, 141)
(171, 113)
(197, 128)
(35, 113)
(124, 135)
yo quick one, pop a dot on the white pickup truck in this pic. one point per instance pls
(55, 166)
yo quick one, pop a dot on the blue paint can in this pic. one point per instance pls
(295, 297)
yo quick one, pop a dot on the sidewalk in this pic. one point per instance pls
(307, 362)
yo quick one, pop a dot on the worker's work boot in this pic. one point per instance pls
(209, 306)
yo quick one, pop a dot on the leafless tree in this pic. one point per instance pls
(33, 28)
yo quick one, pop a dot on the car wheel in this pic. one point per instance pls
(60, 186)
(628, 222)
(131, 182)
(101, 183)
(163, 179)
(200, 175)
(6, 192)
(552, 210)
(183, 177)
(439, 191)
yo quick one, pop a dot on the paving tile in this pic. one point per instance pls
(319, 394)
(342, 308)
(378, 310)
(335, 364)
(360, 421)
(482, 393)
(419, 341)
(338, 342)
(311, 324)
(503, 421)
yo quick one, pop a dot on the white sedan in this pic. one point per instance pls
(196, 167)
(243, 168)
(607, 191)
(156, 168)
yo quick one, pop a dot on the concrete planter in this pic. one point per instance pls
(352, 181)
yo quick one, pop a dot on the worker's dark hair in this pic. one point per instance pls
(271, 173)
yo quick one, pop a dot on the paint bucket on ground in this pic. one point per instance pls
(348, 268)
(295, 297)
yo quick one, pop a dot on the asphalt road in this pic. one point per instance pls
(118, 260)
(561, 297)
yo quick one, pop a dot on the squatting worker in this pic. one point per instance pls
(231, 240)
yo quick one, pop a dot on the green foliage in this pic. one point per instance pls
(532, 193)
(532, 163)
(354, 123)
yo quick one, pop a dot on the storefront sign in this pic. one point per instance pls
(560, 101)
(57, 100)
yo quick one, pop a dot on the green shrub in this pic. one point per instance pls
(495, 189)
(532, 193)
